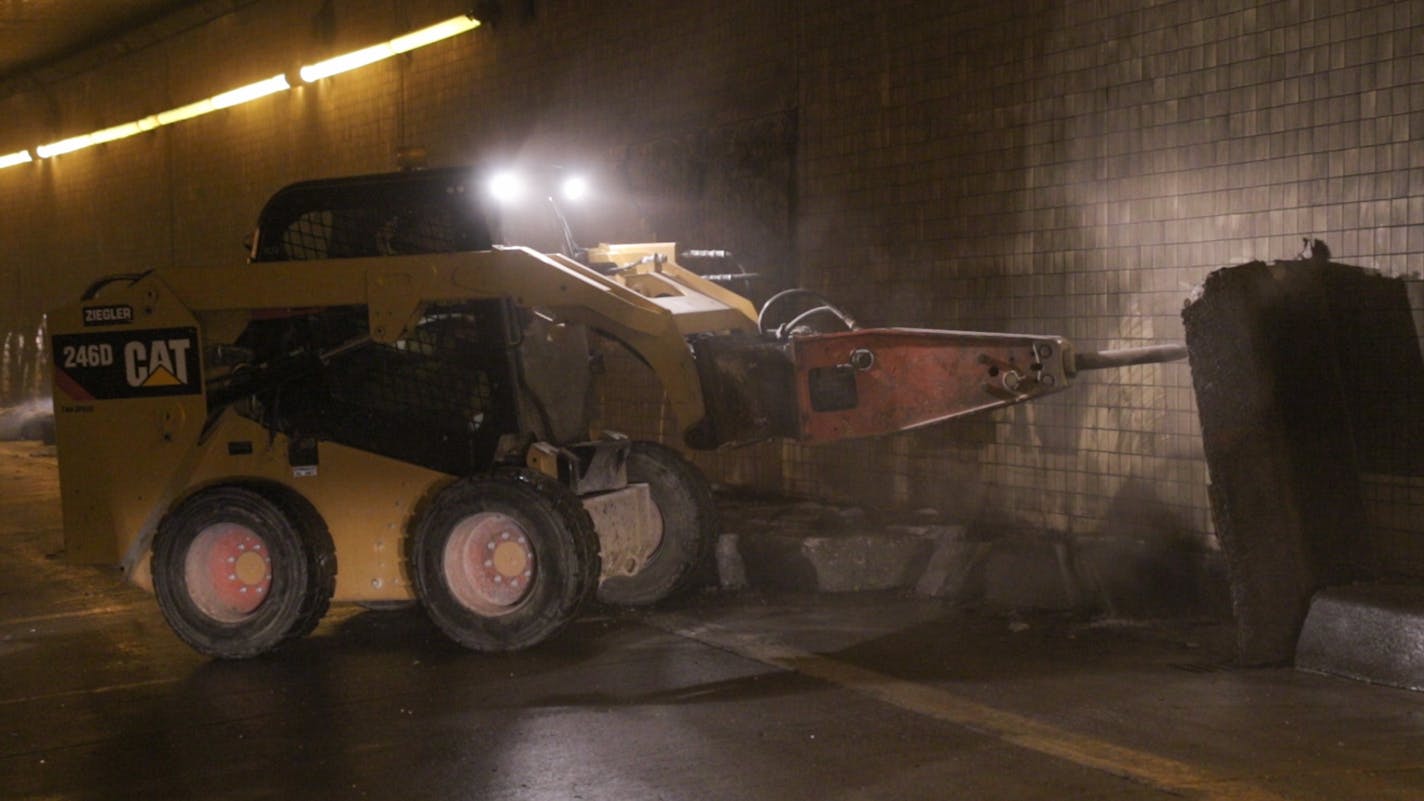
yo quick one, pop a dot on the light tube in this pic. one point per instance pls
(12, 159)
(69, 145)
(346, 61)
(243, 94)
(401, 44)
(232, 97)
(250, 92)
(187, 112)
(117, 132)
(434, 33)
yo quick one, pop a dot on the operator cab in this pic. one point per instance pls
(390, 214)
(466, 375)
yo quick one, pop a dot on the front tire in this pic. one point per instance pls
(236, 574)
(503, 561)
(689, 528)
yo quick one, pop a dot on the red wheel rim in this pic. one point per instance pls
(228, 571)
(489, 563)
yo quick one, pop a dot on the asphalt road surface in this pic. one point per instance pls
(724, 696)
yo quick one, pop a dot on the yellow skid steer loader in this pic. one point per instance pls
(383, 405)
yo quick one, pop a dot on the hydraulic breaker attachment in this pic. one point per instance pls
(867, 382)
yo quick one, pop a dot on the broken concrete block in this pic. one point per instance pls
(1371, 632)
(837, 562)
(731, 570)
(949, 564)
(1306, 373)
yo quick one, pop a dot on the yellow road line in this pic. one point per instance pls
(132, 685)
(77, 613)
(1162, 773)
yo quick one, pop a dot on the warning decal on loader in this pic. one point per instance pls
(128, 364)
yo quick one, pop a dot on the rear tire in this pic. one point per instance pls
(236, 574)
(689, 528)
(504, 561)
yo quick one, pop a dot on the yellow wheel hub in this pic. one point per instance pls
(251, 568)
(510, 559)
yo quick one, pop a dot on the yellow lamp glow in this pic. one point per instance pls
(250, 92)
(69, 145)
(347, 61)
(13, 159)
(400, 44)
(187, 112)
(117, 132)
(434, 33)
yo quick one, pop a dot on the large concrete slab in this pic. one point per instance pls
(1370, 632)
(1306, 373)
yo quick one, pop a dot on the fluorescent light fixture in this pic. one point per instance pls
(13, 159)
(187, 112)
(250, 92)
(121, 131)
(347, 61)
(434, 33)
(401, 44)
(69, 145)
(241, 94)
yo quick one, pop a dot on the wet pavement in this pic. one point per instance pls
(737, 696)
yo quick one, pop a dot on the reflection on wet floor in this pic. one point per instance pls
(726, 695)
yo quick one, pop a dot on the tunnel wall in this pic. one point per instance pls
(1048, 166)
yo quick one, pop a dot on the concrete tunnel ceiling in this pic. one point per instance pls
(36, 33)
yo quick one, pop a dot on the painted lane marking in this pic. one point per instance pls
(96, 611)
(1152, 770)
(110, 688)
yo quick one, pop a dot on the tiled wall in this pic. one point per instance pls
(1076, 168)
(1065, 167)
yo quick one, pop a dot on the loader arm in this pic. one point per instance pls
(866, 382)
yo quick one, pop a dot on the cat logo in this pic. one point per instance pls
(159, 363)
(152, 363)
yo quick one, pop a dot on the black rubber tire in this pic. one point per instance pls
(561, 542)
(321, 552)
(302, 577)
(690, 527)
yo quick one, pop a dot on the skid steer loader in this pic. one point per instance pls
(385, 405)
